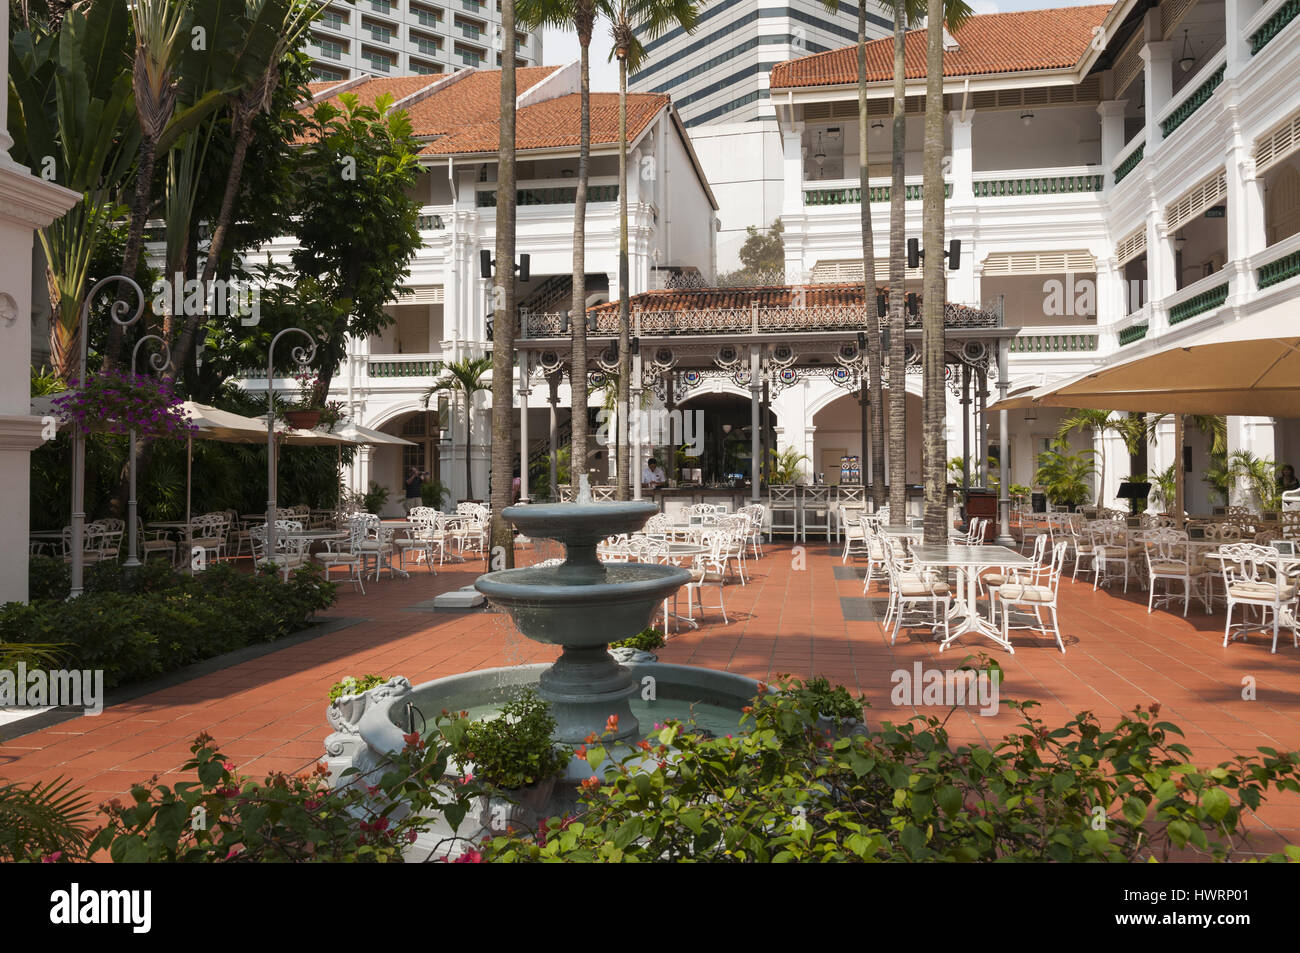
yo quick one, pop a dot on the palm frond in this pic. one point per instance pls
(41, 818)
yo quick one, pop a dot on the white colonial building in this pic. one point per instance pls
(1119, 177)
(444, 316)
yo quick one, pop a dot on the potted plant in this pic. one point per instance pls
(1063, 474)
(515, 757)
(306, 412)
(114, 401)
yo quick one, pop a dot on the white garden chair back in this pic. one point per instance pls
(1169, 557)
(1254, 575)
(1039, 595)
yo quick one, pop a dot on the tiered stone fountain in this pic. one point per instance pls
(581, 605)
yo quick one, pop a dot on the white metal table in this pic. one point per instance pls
(968, 561)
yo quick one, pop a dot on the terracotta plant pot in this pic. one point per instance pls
(302, 419)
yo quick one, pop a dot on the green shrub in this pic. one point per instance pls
(514, 750)
(352, 685)
(142, 622)
(904, 793)
(646, 641)
(817, 695)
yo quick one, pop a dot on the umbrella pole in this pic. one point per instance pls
(1179, 506)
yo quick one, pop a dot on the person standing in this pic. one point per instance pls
(414, 480)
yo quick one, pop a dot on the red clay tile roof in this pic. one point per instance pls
(991, 43)
(473, 99)
(396, 86)
(553, 123)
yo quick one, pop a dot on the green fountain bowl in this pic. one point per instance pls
(551, 606)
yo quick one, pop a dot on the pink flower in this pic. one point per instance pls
(51, 858)
(470, 856)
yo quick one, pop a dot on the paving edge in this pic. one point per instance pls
(134, 690)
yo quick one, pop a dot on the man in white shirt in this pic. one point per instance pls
(652, 474)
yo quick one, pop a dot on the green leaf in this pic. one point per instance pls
(1216, 803)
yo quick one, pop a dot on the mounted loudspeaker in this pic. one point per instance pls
(974, 351)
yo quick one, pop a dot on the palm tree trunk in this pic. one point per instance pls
(585, 20)
(897, 324)
(469, 472)
(874, 344)
(503, 322)
(1099, 437)
(936, 512)
(624, 306)
(242, 123)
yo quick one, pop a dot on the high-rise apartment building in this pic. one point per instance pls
(719, 73)
(397, 37)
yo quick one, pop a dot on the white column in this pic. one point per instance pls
(26, 204)
(1112, 133)
(962, 158)
(1159, 76)
(1161, 278)
(634, 426)
(1236, 13)
(792, 192)
(1245, 214)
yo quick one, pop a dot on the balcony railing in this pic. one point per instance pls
(1053, 341)
(1274, 25)
(1201, 91)
(426, 18)
(469, 59)
(404, 365)
(1279, 264)
(430, 223)
(382, 6)
(747, 320)
(473, 6)
(1131, 161)
(997, 185)
(847, 194)
(427, 47)
(1134, 332)
(1205, 295)
(380, 36)
(552, 195)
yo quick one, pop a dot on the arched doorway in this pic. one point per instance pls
(722, 427)
(839, 433)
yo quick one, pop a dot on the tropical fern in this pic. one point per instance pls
(43, 818)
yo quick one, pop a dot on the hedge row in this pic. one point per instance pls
(143, 622)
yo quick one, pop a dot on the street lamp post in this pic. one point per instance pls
(118, 308)
(301, 356)
(159, 361)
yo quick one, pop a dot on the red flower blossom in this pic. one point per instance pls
(470, 856)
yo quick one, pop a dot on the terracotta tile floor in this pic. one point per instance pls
(269, 713)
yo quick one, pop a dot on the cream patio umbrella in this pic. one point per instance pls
(1246, 367)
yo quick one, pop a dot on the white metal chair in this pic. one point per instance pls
(783, 498)
(709, 571)
(1038, 596)
(1253, 576)
(909, 589)
(288, 554)
(348, 555)
(855, 537)
(815, 511)
(1169, 557)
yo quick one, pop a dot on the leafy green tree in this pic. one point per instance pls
(1098, 423)
(763, 251)
(1063, 474)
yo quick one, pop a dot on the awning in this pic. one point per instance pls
(1248, 367)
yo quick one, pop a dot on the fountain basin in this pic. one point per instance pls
(671, 692)
(550, 606)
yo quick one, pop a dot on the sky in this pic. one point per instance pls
(561, 46)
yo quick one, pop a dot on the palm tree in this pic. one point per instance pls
(933, 290)
(159, 34)
(906, 13)
(933, 285)
(503, 300)
(581, 14)
(463, 377)
(1098, 423)
(650, 18)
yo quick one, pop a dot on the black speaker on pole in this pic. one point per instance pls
(913, 253)
(485, 263)
(523, 267)
(912, 305)
(954, 254)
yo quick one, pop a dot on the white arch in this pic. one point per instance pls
(397, 410)
(832, 393)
